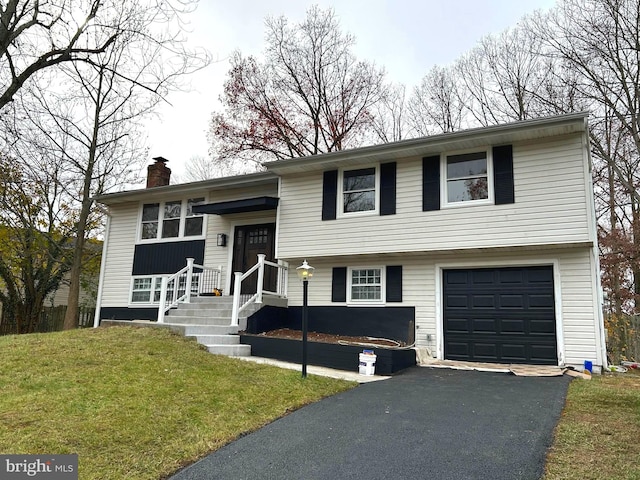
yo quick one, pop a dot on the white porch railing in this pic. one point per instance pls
(240, 303)
(179, 287)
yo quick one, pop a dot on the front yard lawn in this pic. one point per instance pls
(598, 436)
(136, 403)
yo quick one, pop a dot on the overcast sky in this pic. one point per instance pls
(406, 37)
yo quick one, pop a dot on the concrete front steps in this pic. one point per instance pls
(208, 320)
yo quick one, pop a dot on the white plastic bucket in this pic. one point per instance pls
(367, 364)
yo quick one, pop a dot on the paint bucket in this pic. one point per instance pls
(367, 363)
(588, 365)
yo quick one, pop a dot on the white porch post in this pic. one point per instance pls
(189, 278)
(261, 257)
(236, 299)
(163, 300)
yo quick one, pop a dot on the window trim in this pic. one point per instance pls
(160, 221)
(444, 197)
(154, 279)
(383, 286)
(340, 191)
(156, 286)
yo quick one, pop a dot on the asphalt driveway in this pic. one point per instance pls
(424, 423)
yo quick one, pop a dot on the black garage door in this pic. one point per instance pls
(502, 315)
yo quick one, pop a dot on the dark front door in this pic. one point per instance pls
(249, 241)
(502, 315)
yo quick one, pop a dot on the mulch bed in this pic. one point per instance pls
(330, 338)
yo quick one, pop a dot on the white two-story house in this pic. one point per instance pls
(478, 245)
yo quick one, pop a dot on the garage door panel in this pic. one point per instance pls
(457, 277)
(507, 277)
(512, 301)
(457, 325)
(457, 301)
(514, 326)
(542, 327)
(483, 325)
(500, 315)
(483, 301)
(541, 301)
(481, 277)
(514, 352)
(540, 353)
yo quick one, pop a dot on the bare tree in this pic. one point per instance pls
(35, 35)
(389, 122)
(199, 168)
(89, 112)
(438, 104)
(309, 95)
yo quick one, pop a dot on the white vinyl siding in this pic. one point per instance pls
(116, 286)
(551, 207)
(578, 312)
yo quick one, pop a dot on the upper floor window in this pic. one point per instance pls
(172, 219)
(359, 190)
(467, 177)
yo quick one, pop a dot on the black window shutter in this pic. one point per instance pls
(388, 188)
(339, 284)
(394, 283)
(329, 195)
(503, 174)
(431, 183)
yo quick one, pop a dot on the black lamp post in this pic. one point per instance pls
(305, 272)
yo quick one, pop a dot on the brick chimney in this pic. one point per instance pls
(158, 174)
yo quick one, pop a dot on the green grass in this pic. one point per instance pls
(598, 436)
(136, 403)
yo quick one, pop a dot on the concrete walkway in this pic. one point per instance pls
(424, 423)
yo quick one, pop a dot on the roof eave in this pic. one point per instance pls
(252, 179)
(476, 137)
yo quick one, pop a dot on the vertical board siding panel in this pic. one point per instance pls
(431, 183)
(329, 195)
(503, 174)
(394, 283)
(388, 188)
(339, 284)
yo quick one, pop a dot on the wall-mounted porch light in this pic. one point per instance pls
(222, 239)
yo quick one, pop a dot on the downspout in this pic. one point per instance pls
(598, 293)
(103, 261)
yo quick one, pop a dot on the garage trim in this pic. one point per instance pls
(557, 295)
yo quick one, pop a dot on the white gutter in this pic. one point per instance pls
(103, 261)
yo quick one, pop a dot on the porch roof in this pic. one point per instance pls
(255, 204)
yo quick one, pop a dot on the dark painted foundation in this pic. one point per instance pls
(396, 323)
(341, 357)
(125, 313)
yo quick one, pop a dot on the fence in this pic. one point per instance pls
(51, 320)
(623, 337)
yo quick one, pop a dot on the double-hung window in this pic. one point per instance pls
(366, 285)
(359, 190)
(467, 177)
(148, 289)
(171, 219)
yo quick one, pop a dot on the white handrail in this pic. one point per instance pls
(204, 283)
(239, 277)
